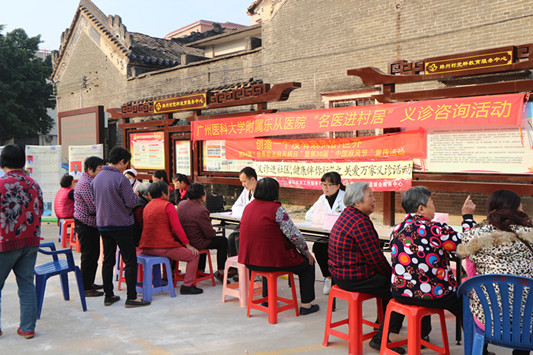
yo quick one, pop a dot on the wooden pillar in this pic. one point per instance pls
(389, 199)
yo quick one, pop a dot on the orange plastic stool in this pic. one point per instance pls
(200, 276)
(236, 289)
(272, 309)
(414, 315)
(355, 336)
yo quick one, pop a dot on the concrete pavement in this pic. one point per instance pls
(183, 325)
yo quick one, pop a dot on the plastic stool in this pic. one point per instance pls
(200, 276)
(414, 315)
(244, 282)
(355, 336)
(272, 309)
(65, 236)
(152, 282)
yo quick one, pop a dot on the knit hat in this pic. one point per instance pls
(131, 171)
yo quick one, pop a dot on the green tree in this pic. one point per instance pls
(25, 92)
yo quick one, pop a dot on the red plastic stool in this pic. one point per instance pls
(65, 235)
(200, 276)
(272, 309)
(355, 336)
(414, 315)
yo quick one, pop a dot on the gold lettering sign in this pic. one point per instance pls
(181, 103)
(480, 61)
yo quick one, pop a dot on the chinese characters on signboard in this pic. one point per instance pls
(383, 176)
(180, 103)
(500, 110)
(391, 146)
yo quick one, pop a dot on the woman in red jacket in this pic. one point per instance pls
(64, 201)
(160, 219)
(270, 241)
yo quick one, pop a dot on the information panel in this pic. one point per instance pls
(147, 150)
(182, 154)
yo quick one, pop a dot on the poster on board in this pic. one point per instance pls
(214, 158)
(485, 151)
(43, 163)
(182, 156)
(77, 155)
(147, 150)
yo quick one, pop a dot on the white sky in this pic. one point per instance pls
(156, 18)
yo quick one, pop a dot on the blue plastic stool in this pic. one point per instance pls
(154, 278)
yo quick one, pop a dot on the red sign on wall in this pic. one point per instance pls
(496, 110)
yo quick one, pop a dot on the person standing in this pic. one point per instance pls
(85, 225)
(114, 200)
(21, 202)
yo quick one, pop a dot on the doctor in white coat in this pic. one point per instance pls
(331, 202)
(248, 178)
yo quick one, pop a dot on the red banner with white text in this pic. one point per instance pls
(474, 112)
(392, 146)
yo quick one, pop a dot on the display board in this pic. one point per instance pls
(43, 164)
(214, 158)
(182, 157)
(488, 150)
(147, 150)
(77, 155)
(80, 127)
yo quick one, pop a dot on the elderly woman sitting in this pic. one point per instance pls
(194, 218)
(269, 241)
(420, 256)
(356, 261)
(502, 244)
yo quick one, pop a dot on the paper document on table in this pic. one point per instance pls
(330, 221)
(236, 211)
(319, 216)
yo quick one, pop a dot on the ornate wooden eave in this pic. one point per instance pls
(238, 97)
(479, 63)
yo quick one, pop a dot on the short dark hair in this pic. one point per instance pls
(130, 173)
(249, 172)
(161, 174)
(12, 157)
(157, 188)
(267, 189)
(66, 180)
(415, 197)
(195, 191)
(181, 178)
(92, 163)
(117, 154)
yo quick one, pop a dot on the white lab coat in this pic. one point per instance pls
(338, 206)
(242, 201)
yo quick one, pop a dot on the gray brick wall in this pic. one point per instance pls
(315, 42)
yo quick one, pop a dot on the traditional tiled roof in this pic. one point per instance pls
(158, 51)
(140, 48)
